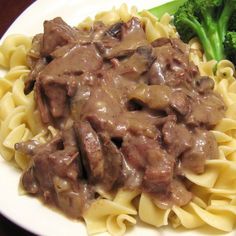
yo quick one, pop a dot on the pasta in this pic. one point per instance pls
(214, 202)
(13, 51)
(112, 215)
(153, 28)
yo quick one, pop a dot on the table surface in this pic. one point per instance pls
(9, 10)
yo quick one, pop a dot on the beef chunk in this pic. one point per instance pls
(61, 51)
(132, 37)
(58, 80)
(204, 84)
(157, 180)
(54, 173)
(146, 154)
(30, 81)
(153, 96)
(42, 173)
(27, 147)
(206, 110)
(180, 102)
(177, 138)
(29, 181)
(66, 162)
(159, 171)
(35, 62)
(58, 158)
(204, 148)
(136, 64)
(134, 149)
(52, 95)
(180, 195)
(34, 53)
(79, 59)
(56, 34)
(171, 66)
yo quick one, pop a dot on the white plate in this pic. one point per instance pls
(28, 212)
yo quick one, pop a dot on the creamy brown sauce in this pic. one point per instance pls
(131, 114)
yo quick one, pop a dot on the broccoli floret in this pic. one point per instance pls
(230, 46)
(209, 21)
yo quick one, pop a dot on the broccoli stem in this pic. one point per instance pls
(170, 7)
(217, 46)
(206, 43)
(215, 41)
(211, 29)
(224, 19)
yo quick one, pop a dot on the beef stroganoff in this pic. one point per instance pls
(114, 111)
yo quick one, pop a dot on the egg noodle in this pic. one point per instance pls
(214, 202)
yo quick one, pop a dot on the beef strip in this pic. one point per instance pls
(113, 159)
(91, 151)
(160, 42)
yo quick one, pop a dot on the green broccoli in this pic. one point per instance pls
(170, 7)
(230, 46)
(210, 21)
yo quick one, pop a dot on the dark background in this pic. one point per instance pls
(9, 10)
